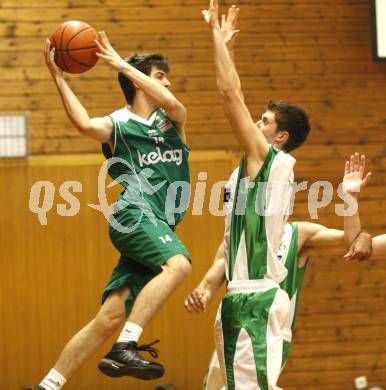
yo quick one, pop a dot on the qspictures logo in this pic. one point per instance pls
(178, 195)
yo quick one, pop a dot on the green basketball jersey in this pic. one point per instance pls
(257, 214)
(288, 256)
(151, 162)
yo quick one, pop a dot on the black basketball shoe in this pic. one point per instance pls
(123, 359)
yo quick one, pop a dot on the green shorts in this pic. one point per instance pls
(144, 251)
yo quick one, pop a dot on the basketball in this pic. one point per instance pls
(74, 46)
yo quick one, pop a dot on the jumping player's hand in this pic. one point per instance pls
(353, 181)
(361, 249)
(198, 300)
(211, 14)
(107, 52)
(49, 56)
(228, 26)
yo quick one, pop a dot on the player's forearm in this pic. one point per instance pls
(231, 52)
(226, 74)
(75, 110)
(162, 96)
(352, 226)
(215, 277)
(252, 141)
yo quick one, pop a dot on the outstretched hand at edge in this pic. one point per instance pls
(353, 181)
(228, 26)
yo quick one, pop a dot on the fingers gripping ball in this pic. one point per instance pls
(75, 47)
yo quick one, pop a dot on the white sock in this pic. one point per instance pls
(53, 381)
(130, 332)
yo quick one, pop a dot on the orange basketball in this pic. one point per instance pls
(74, 46)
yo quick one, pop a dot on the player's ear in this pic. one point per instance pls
(282, 137)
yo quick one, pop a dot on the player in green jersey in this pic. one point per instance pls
(148, 151)
(253, 349)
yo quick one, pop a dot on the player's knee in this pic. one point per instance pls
(108, 323)
(185, 268)
(180, 266)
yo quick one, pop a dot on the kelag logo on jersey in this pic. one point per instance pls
(171, 155)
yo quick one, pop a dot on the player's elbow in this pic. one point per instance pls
(224, 88)
(87, 128)
(173, 105)
(84, 128)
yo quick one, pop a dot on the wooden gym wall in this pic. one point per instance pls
(314, 53)
(52, 277)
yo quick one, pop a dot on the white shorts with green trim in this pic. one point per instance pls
(250, 335)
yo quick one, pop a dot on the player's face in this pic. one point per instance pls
(160, 76)
(268, 126)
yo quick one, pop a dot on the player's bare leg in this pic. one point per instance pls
(109, 318)
(124, 359)
(157, 291)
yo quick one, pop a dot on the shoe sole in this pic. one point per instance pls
(109, 368)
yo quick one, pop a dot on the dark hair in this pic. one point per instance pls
(292, 118)
(143, 63)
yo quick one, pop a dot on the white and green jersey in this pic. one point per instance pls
(148, 159)
(288, 256)
(253, 347)
(257, 212)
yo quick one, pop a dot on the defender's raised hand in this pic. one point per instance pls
(353, 181)
(228, 26)
(107, 52)
(211, 14)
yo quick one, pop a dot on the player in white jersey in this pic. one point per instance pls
(252, 331)
(257, 219)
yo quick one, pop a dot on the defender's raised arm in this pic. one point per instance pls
(251, 139)
(353, 182)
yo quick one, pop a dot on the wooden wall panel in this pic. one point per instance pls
(316, 54)
(52, 277)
